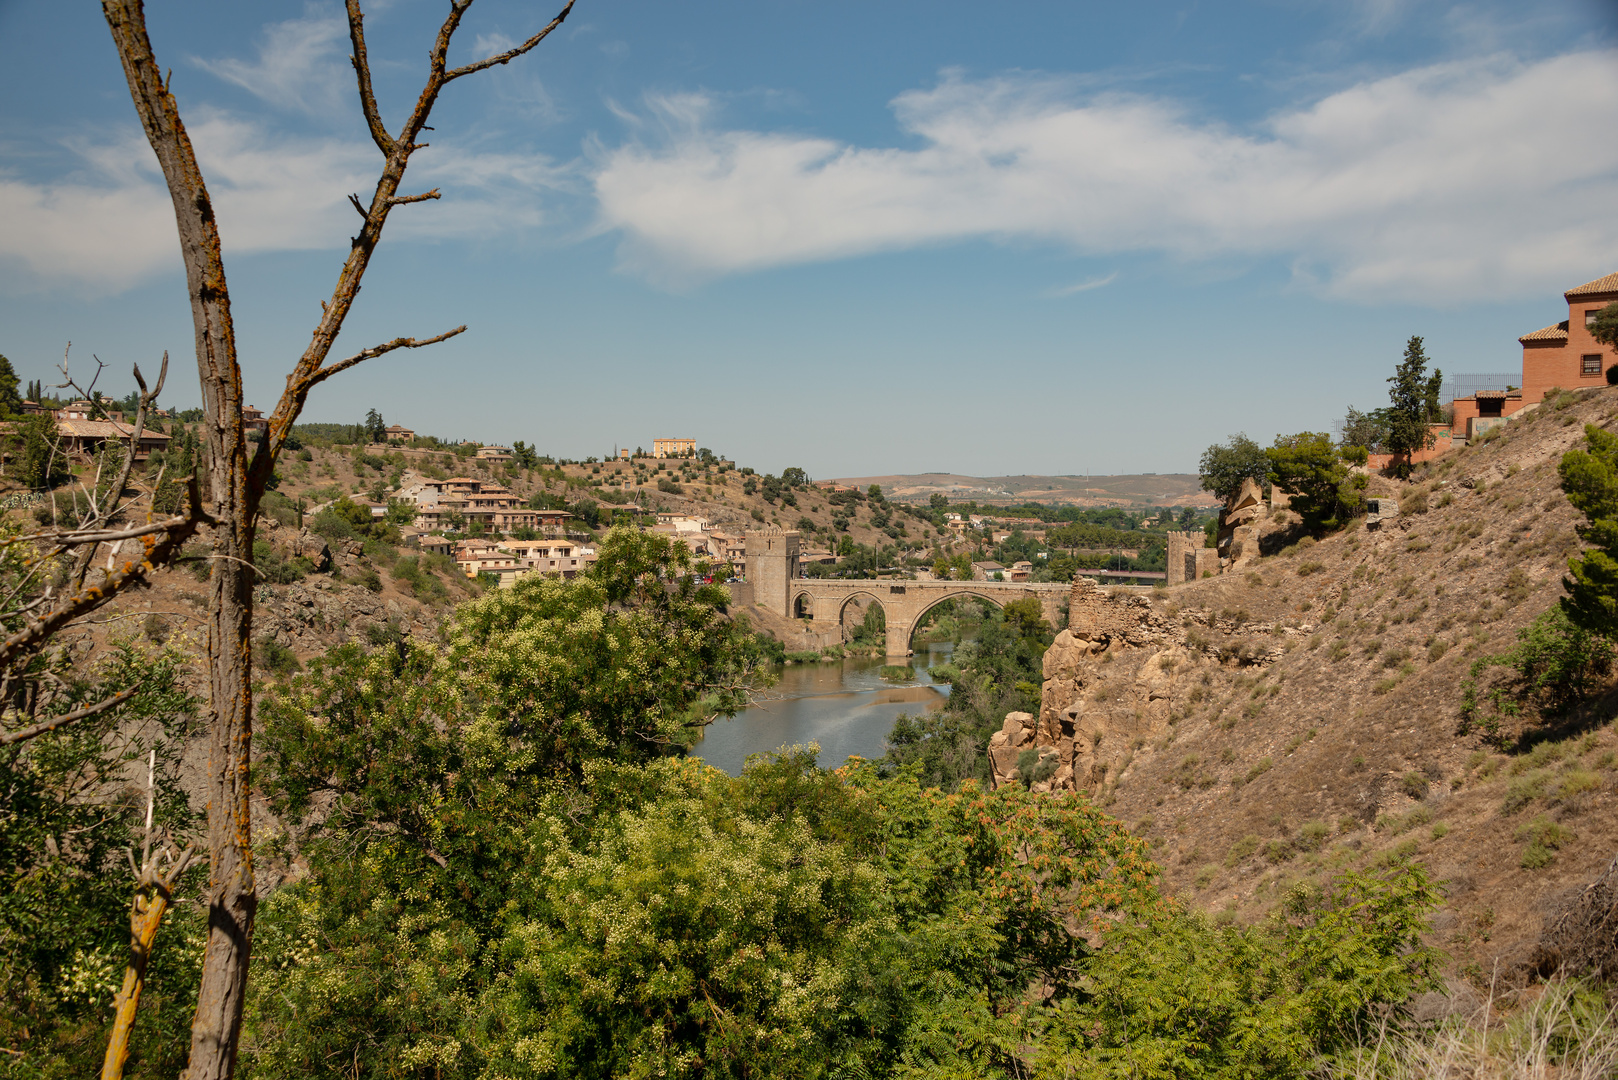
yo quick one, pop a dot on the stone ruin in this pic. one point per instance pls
(1236, 541)
(1064, 757)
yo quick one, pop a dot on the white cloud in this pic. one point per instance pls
(1084, 286)
(1459, 181)
(302, 63)
(112, 224)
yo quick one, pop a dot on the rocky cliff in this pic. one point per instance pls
(1267, 728)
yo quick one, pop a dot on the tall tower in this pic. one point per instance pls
(772, 563)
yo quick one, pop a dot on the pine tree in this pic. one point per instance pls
(1412, 404)
(10, 400)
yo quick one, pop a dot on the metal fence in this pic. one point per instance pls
(1457, 386)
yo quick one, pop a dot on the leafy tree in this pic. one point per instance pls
(1605, 326)
(1590, 479)
(1369, 430)
(524, 456)
(1413, 405)
(1188, 519)
(794, 477)
(10, 400)
(1176, 996)
(1224, 466)
(1323, 492)
(376, 429)
(65, 907)
(41, 464)
(938, 501)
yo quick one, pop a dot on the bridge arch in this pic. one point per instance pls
(869, 595)
(997, 601)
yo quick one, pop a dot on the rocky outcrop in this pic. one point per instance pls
(1113, 681)
(1239, 526)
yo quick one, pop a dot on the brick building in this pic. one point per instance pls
(1562, 354)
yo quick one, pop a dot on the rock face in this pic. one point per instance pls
(1239, 526)
(1072, 721)
(1113, 680)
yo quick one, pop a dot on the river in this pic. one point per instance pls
(844, 706)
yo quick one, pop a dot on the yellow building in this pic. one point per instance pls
(667, 448)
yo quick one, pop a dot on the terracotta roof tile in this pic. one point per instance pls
(1606, 284)
(1550, 333)
(104, 429)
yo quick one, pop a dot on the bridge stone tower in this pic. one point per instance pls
(1188, 558)
(772, 563)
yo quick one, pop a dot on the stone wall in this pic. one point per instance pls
(1096, 615)
(1189, 558)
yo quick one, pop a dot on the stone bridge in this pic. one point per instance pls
(772, 571)
(903, 603)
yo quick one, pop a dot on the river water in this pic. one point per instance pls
(843, 706)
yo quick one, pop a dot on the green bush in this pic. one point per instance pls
(1524, 790)
(1184, 996)
(1240, 850)
(1414, 785)
(1544, 838)
(277, 659)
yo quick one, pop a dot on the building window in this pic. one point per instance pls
(1590, 315)
(1590, 364)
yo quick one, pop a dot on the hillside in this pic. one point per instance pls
(368, 592)
(1270, 727)
(1138, 489)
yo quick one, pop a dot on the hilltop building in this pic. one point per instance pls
(669, 448)
(1562, 354)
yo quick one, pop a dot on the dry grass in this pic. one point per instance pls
(1567, 1033)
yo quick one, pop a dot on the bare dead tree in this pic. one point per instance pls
(48, 580)
(237, 481)
(156, 875)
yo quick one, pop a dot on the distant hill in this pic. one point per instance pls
(1141, 489)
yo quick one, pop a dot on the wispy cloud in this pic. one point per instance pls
(1456, 181)
(111, 224)
(301, 63)
(1084, 286)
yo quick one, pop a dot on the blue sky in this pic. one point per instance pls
(857, 238)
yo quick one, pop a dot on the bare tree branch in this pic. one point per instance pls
(7, 738)
(80, 602)
(73, 539)
(400, 200)
(511, 54)
(362, 71)
(238, 475)
(377, 350)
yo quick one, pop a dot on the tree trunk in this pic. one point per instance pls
(144, 919)
(233, 505)
(235, 484)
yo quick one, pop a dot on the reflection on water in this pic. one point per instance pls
(843, 706)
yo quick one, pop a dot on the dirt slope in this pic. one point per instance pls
(1303, 716)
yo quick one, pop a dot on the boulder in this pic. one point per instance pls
(313, 548)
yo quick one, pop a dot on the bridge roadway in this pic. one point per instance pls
(903, 603)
